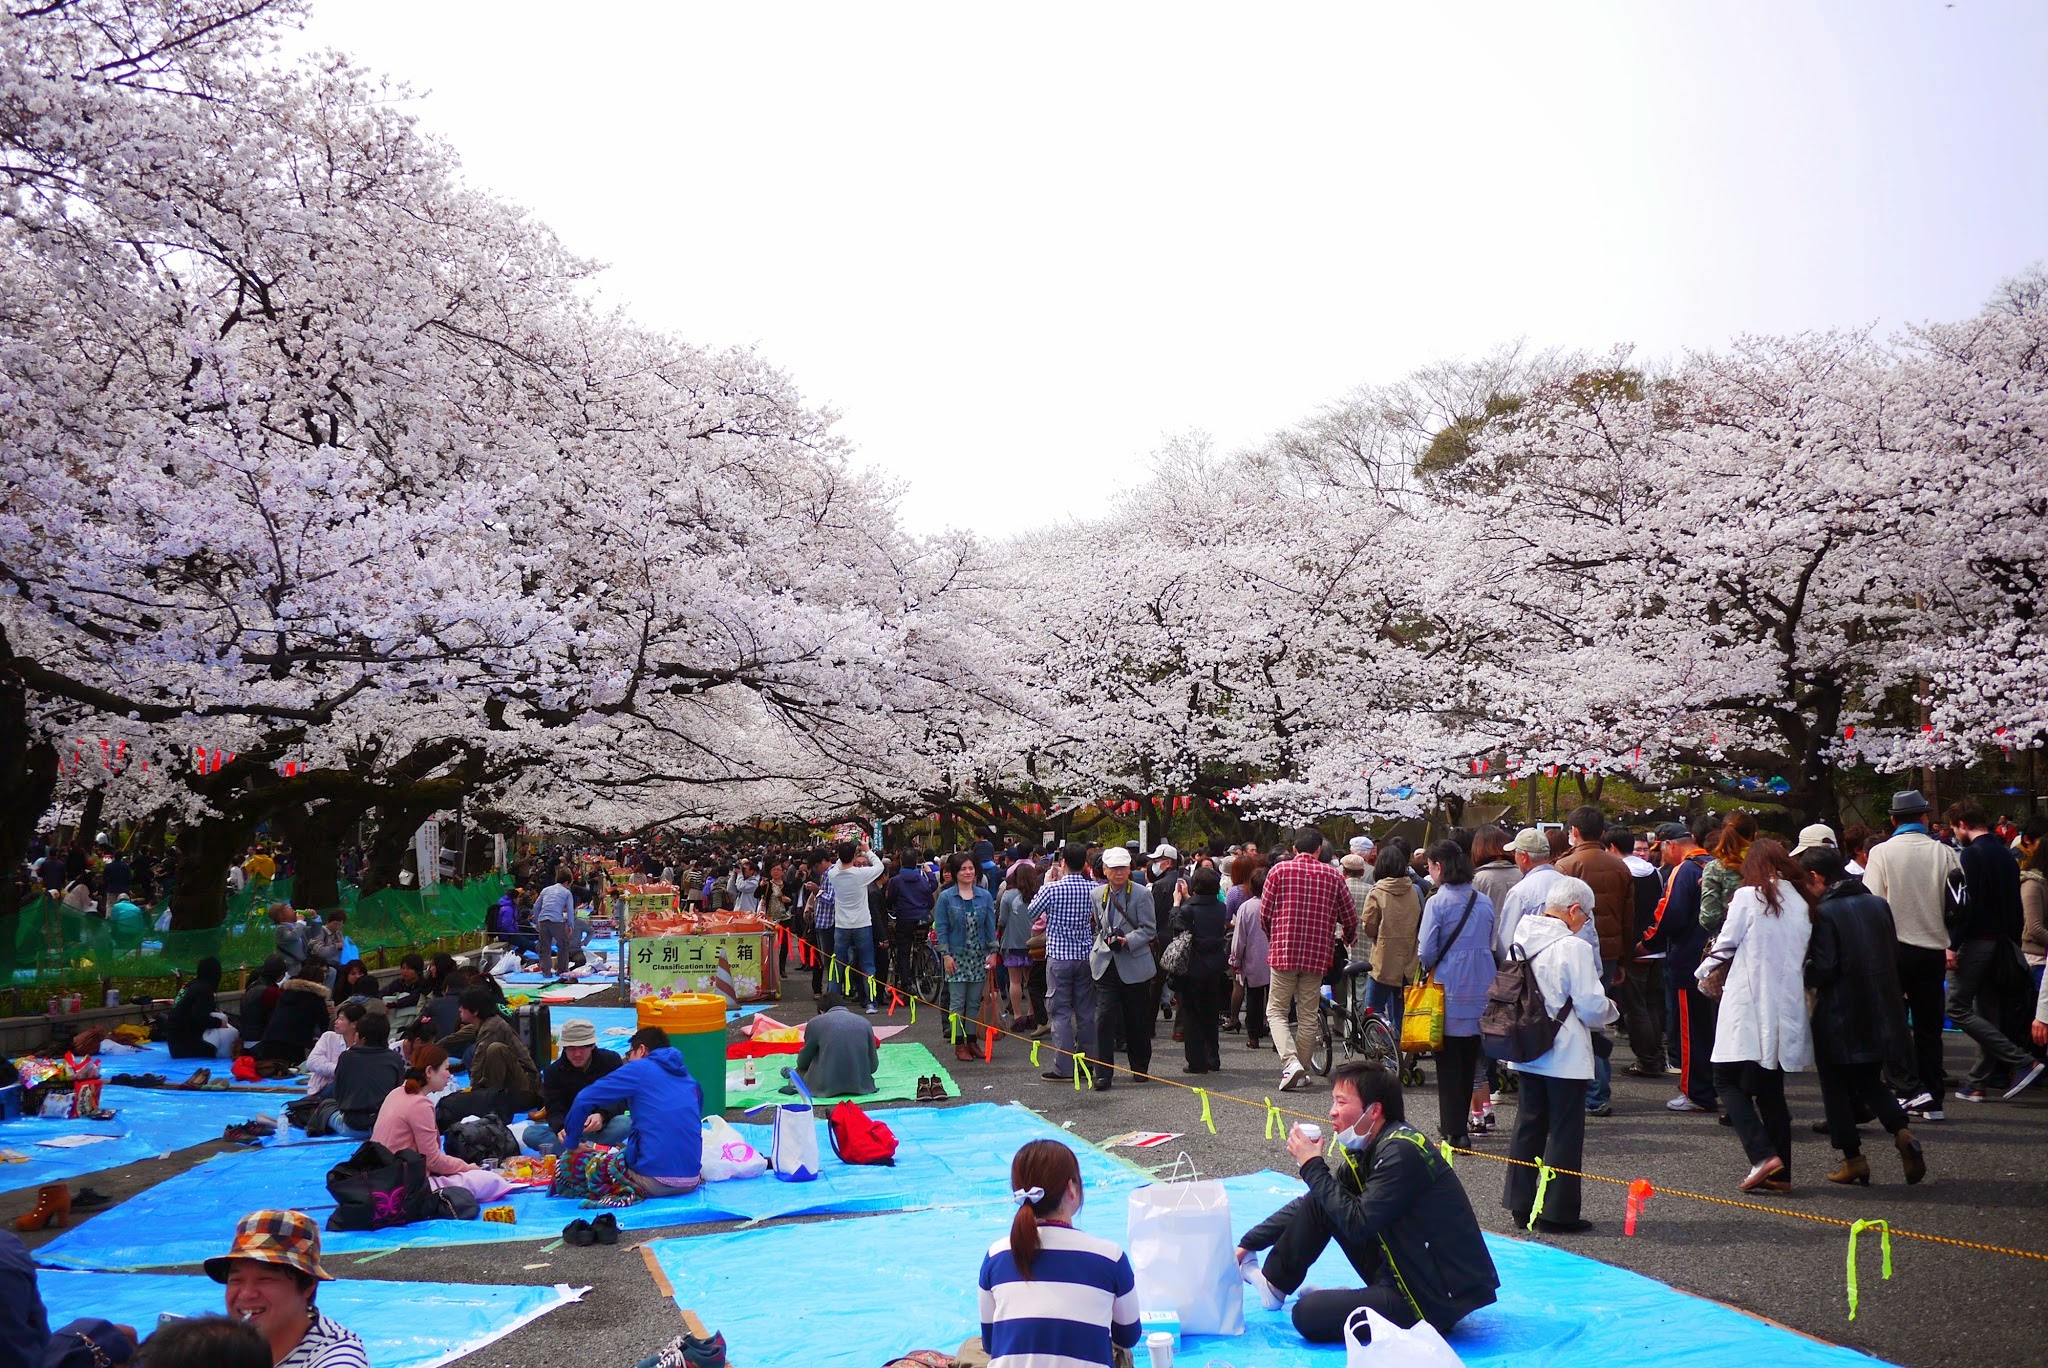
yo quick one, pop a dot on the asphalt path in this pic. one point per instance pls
(1946, 1304)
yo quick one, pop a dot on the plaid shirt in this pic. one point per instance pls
(1304, 903)
(1069, 908)
(824, 907)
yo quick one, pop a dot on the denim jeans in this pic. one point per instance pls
(1387, 1000)
(540, 1136)
(854, 947)
(1602, 1091)
(1070, 1002)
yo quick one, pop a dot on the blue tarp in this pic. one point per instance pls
(952, 1157)
(402, 1324)
(150, 1122)
(1556, 1310)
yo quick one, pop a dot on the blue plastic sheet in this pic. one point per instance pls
(156, 1058)
(148, 1123)
(956, 1157)
(1556, 1310)
(401, 1324)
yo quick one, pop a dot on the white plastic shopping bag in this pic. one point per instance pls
(727, 1155)
(1392, 1347)
(794, 1153)
(1185, 1258)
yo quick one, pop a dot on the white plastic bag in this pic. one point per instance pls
(1392, 1347)
(794, 1153)
(508, 963)
(1185, 1258)
(727, 1155)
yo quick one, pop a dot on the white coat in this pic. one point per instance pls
(1762, 1019)
(1566, 967)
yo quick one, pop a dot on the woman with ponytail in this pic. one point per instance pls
(1048, 1292)
(406, 1122)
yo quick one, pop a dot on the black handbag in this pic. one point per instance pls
(374, 1188)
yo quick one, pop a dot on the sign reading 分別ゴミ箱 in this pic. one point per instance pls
(689, 963)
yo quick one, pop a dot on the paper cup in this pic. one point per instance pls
(1159, 1345)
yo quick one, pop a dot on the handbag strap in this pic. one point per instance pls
(1471, 901)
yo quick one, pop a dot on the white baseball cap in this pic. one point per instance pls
(1165, 852)
(1815, 836)
(1116, 857)
(1363, 845)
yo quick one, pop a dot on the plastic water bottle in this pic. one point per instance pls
(284, 1128)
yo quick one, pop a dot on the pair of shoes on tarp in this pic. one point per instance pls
(603, 1230)
(931, 1088)
(688, 1351)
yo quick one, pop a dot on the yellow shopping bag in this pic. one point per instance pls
(1422, 1016)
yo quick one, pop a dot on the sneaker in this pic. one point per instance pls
(704, 1353)
(1477, 1124)
(1651, 1071)
(2026, 1080)
(1972, 1095)
(1917, 1102)
(872, 1009)
(1928, 1114)
(1491, 1122)
(1292, 1076)
(1270, 1296)
(1601, 1109)
(1682, 1103)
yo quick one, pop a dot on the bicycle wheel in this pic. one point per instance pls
(930, 980)
(1376, 1041)
(1322, 1058)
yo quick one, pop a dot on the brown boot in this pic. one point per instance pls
(965, 1053)
(53, 1207)
(1854, 1169)
(1910, 1155)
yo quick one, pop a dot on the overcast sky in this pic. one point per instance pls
(1015, 246)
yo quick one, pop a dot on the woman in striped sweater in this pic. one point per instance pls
(1051, 1296)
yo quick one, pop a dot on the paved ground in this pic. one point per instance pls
(1944, 1306)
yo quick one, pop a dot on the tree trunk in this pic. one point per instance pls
(28, 780)
(89, 815)
(315, 839)
(391, 833)
(204, 853)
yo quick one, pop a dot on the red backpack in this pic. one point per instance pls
(858, 1138)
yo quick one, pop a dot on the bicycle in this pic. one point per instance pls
(1366, 1036)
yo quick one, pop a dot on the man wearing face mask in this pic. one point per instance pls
(1391, 1202)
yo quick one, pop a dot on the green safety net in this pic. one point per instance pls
(48, 945)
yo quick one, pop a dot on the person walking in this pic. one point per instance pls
(1392, 920)
(1248, 950)
(1304, 903)
(1614, 917)
(1120, 960)
(1550, 1116)
(1678, 936)
(1067, 902)
(1204, 987)
(1761, 1033)
(1987, 975)
(1859, 1017)
(1013, 934)
(1910, 870)
(1456, 949)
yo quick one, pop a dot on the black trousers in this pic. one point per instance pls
(1640, 988)
(1842, 1086)
(1120, 1010)
(905, 936)
(1754, 1098)
(1255, 1013)
(1550, 1123)
(1695, 1025)
(1203, 998)
(1922, 973)
(1319, 1316)
(1456, 1064)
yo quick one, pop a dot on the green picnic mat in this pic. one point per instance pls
(895, 1078)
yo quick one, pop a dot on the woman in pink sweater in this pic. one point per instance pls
(406, 1122)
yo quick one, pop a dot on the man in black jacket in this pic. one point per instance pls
(1390, 1201)
(580, 1064)
(1859, 1013)
(1983, 950)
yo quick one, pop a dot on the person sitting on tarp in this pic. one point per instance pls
(498, 1059)
(411, 983)
(840, 1053)
(259, 998)
(272, 1272)
(580, 1064)
(1390, 1201)
(25, 1337)
(195, 1030)
(444, 1009)
(364, 1075)
(665, 1147)
(300, 1017)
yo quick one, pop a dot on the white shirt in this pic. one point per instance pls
(850, 892)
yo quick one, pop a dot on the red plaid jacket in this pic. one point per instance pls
(1304, 903)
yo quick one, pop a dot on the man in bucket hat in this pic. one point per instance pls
(1910, 870)
(581, 1063)
(272, 1271)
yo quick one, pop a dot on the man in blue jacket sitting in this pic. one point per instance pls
(665, 1148)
